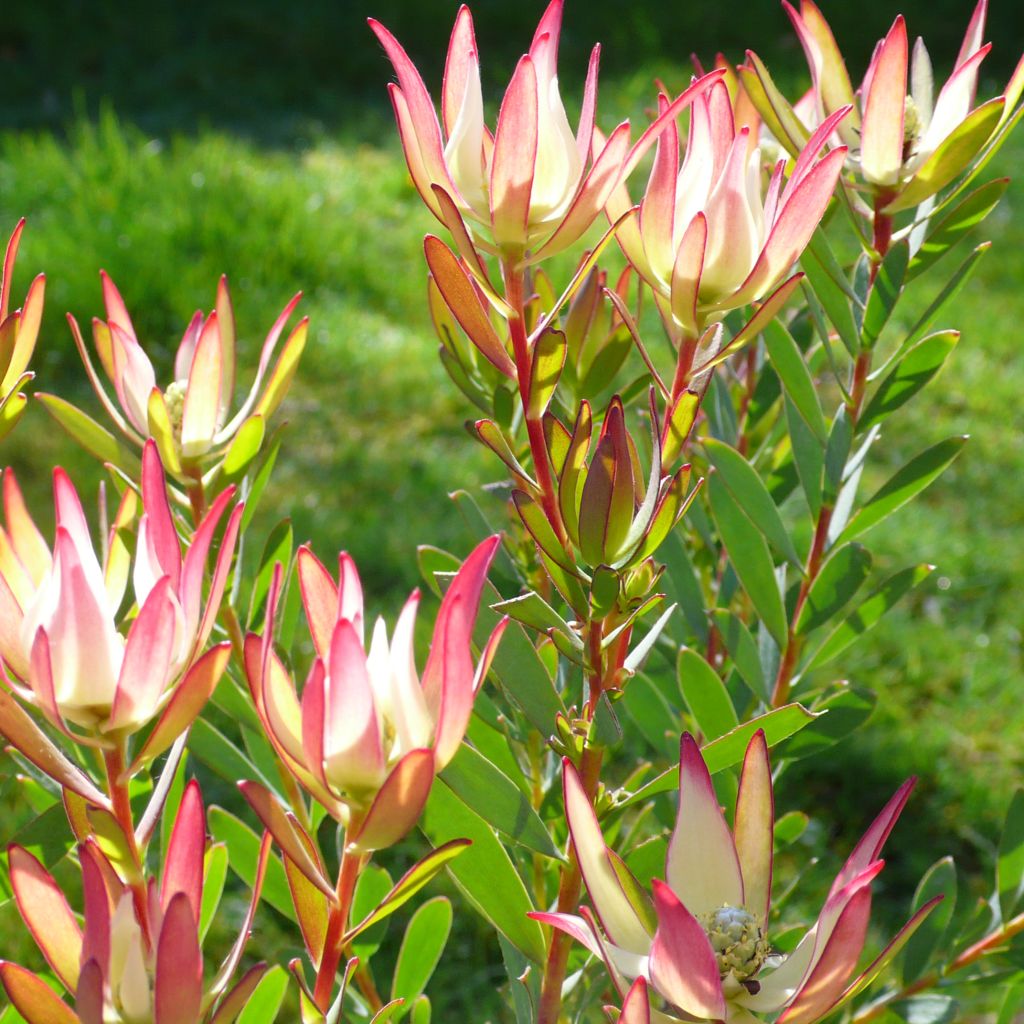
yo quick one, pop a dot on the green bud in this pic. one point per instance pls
(735, 935)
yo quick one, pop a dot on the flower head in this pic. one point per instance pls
(62, 636)
(369, 733)
(136, 957)
(702, 944)
(190, 419)
(532, 184)
(705, 239)
(18, 332)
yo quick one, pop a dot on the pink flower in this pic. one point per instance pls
(531, 185)
(136, 956)
(702, 944)
(369, 734)
(705, 240)
(61, 634)
(18, 332)
(190, 419)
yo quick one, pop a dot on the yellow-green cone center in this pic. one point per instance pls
(735, 935)
(174, 399)
(911, 127)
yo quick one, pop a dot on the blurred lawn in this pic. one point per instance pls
(377, 440)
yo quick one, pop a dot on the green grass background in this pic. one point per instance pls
(257, 142)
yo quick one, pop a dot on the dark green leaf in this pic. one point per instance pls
(840, 578)
(486, 790)
(939, 879)
(789, 364)
(827, 280)
(913, 478)
(790, 827)
(809, 456)
(485, 873)
(532, 610)
(947, 293)
(682, 585)
(749, 490)
(652, 714)
(421, 949)
(277, 549)
(837, 451)
(844, 711)
(210, 746)
(705, 695)
(876, 605)
(743, 650)
(1010, 865)
(751, 559)
(910, 375)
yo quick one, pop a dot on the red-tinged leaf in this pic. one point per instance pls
(202, 396)
(549, 352)
(319, 598)
(754, 826)
(514, 159)
(569, 491)
(178, 988)
(32, 742)
(671, 508)
(221, 568)
(189, 698)
(235, 1001)
(467, 247)
(683, 966)
(398, 805)
(461, 298)
(311, 910)
(161, 535)
(779, 117)
(226, 323)
(409, 884)
(47, 915)
(881, 151)
(421, 177)
(686, 273)
(7, 273)
(283, 372)
(161, 431)
(490, 434)
(637, 1008)
(33, 998)
(89, 996)
(952, 156)
(27, 332)
(183, 867)
(285, 832)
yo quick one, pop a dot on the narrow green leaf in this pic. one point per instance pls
(266, 999)
(749, 490)
(548, 359)
(682, 585)
(1010, 865)
(639, 653)
(244, 448)
(865, 617)
(95, 439)
(372, 889)
(751, 559)
(532, 610)
(522, 982)
(254, 491)
(913, 371)
(839, 714)
(960, 221)
(743, 650)
(790, 827)
(938, 880)
(927, 1009)
(243, 852)
(789, 364)
(842, 575)
(913, 478)
(947, 293)
(705, 695)
(489, 792)
(215, 871)
(209, 745)
(837, 451)
(829, 284)
(728, 750)
(647, 707)
(421, 949)
(808, 455)
(277, 548)
(485, 873)
(885, 292)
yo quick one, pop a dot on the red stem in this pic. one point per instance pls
(348, 875)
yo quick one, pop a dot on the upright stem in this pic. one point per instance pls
(569, 889)
(515, 289)
(337, 920)
(117, 788)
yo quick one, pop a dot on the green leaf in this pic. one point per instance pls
(829, 284)
(789, 363)
(243, 852)
(489, 792)
(840, 578)
(244, 448)
(751, 559)
(705, 695)
(485, 873)
(682, 585)
(532, 610)
(254, 492)
(1012, 1000)
(266, 998)
(412, 881)
(215, 872)
(728, 750)
(655, 717)
(749, 490)
(210, 746)
(638, 654)
(837, 451)
(790, 827)
(276, 549)
(939, 879)
(742, 649)
(372, 888)
(960, 221)
(913, 478)
(913, 371)
(927, 1009)
(947, 293)
(868, 613)
(96, 440)
(885, 292)
(548, 359)
(1010, 865)
(809, 456)
(839, 714)
(522, 982)
(421, 949)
